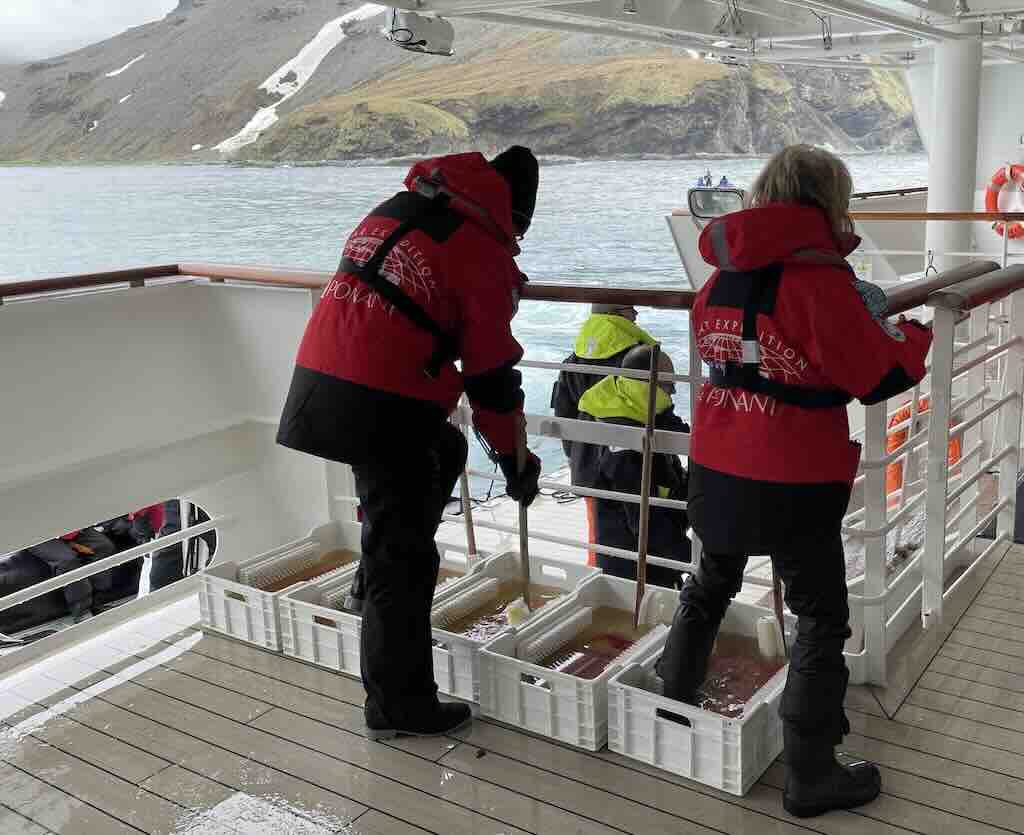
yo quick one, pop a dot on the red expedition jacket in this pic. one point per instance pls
(815, 331)
(360, 367)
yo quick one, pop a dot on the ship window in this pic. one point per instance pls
(709, 203)
(121, 584)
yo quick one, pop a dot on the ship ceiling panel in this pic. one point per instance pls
(863, 32)
(761, 18)
(804, 51)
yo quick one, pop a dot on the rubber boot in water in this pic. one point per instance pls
(817, 783)
(683, 665)
(444, 718)
(356, 594)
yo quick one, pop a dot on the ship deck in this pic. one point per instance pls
(156, 727)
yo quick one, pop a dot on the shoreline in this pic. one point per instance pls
(405, 160)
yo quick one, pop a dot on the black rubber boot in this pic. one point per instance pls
(356, 594)
(817, 783)
(446, 718)
(683, 665)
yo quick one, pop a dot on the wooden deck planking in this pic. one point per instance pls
(162, 729)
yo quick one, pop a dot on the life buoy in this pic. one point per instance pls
(999, 198)
(896, 437)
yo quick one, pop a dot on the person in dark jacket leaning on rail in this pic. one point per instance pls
(608, 334)
(789, 337)
(623, 401)
(427, 278)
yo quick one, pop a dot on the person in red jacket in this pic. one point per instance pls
(790, 337)
(427, 278)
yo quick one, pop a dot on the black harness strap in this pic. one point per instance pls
(746, 374)
(445, 346)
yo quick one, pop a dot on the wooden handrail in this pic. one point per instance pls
(893, 192)
(533, 291)
(916, 293)
(303, 279)
(912, 294)
(975, 292)
(669, 299)
(1005, 217)
(135, 277)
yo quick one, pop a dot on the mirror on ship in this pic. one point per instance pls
(709, 203)
(69, 550)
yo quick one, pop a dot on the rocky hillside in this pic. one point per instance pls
(314, 80)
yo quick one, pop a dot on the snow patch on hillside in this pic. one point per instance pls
(292, 77)
(116, 73)
(122, 101)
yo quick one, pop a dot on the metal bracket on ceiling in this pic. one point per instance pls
(731, 22)
(826, 29)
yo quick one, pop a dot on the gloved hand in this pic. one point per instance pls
(521, 486)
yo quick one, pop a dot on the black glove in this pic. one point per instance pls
(521, 486)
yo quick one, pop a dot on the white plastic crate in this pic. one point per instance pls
(456, 661)
(565, 707)
(728, 754)
(314, 629)
(232, 601)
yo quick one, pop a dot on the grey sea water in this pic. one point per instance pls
(599, 222)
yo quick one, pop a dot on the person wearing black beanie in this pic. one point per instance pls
(519, 168)
(428, 278)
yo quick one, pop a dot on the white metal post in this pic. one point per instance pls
(933, 558)
(1010, 424)
(185, 517)
(975, 383)
(953, 151)
(875, 516)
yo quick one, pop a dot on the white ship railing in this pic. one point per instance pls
(974, 383)
(93, 568)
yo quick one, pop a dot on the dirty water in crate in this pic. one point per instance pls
(737, 671)
(486, 621)
(330, 561)
(446, 576)
(589, 653)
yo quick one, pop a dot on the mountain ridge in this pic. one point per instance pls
(177, 88)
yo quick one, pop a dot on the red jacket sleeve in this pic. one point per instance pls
(871, 359)
(487, 289)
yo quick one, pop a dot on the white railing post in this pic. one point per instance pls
(933, 558)
(979, 328)
(1010, 425)
(875, 517)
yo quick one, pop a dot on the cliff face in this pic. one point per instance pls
(323, 84)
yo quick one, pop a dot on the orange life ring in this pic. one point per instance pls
(1011, 199)
(894, 471)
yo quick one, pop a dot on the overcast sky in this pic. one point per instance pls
(33, 29)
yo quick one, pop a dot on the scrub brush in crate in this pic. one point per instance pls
(445, 616)
(272, 572)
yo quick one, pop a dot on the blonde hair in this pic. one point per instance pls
(810, 177)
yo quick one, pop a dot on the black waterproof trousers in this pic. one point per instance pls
(799, 526)
(402, 500)
(62, 558)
